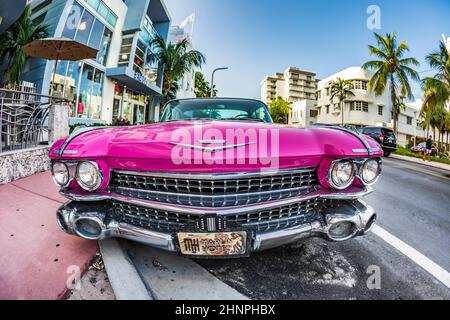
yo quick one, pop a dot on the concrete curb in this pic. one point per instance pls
(123, 276)
(139, 272)
(437, 165)
(175, 277)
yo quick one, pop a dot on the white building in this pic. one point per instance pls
(362, 109)
(408, 124)
(292, 85)
(177, 34)
(303, 113)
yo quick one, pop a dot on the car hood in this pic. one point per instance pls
(237, 143)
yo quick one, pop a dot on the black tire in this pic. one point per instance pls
(386, 154)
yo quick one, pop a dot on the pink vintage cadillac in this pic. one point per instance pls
(215, 178)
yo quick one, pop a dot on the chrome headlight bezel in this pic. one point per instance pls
(378, 173)
(98, 180)
(66, 168)
(352, 176)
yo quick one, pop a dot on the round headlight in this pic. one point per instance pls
(370, 171)
(88, 175)
(60, 173)
(341, 174)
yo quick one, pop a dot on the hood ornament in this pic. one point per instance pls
(209, 148)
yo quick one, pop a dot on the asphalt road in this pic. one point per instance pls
(413, 205)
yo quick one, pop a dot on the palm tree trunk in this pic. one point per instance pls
(342, 112)
(393, 100)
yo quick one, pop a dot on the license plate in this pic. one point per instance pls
(213, 244)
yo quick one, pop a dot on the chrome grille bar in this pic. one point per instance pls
(214, 190)
(259, 220)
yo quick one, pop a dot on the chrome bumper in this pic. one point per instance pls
(73, 215)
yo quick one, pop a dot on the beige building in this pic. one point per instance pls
(292, 85)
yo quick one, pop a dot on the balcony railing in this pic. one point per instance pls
(24, 119)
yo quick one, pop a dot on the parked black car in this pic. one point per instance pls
(384, 136)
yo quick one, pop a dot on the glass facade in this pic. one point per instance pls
(80, 82)
(90, 99)
(129, 105)
(103, 10)
(136, 53)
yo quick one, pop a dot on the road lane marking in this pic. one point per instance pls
(435, 270)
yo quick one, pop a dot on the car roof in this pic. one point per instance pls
(375, 127)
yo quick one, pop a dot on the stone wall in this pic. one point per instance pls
(23, 163)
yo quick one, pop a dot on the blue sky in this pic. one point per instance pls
(255, 38)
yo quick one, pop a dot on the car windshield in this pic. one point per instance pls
(216, 109)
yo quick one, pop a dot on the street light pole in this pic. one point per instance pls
(212, 79)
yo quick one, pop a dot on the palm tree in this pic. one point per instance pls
(438, 86)
(176, 59)
(437, 91)
(22, 32)
(391, 70)
(341, 89)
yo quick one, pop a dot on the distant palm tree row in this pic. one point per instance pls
(437, 93)
(393, 70)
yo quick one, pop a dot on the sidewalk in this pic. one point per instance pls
(35, 253)
(420, 161)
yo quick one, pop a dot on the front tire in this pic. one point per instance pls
(386, 154)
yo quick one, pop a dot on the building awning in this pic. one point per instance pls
(133, 80)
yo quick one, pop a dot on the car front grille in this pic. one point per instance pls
(257, 220)
(214, 190)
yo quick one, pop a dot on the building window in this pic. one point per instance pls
(328, 91)
(365, 107)
(104, 46)
(408, 120)
(313, 113)
(359, 106)
(380, 110)
(102, 9)
(359, 84)
(88, 30)
(125, 51)
(73, 19)
(84, 28)
(328, 108)
(90, 99)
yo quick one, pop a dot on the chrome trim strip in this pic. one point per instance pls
(365, 150)
(213, 176)
(76, 134)
(193, 195)
(104, 195)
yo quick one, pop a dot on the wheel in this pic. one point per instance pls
(386, 154)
